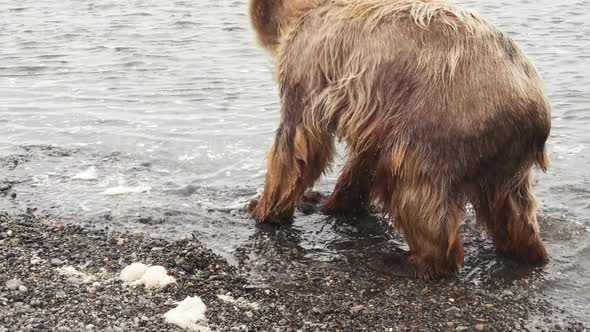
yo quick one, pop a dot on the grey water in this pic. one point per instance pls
(155, 116)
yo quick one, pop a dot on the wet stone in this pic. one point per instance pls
(507, 293)
(13, 284)
(56, 262)
(357, 309)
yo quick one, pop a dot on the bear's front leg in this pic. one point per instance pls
(295, 162)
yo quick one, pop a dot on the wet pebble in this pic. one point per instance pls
(507, 293)
(13, 284)
(453, 309)
(56, 262)
(357, 309)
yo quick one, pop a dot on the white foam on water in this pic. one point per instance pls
(576, 149)
(150, 276)
(84, 207)
(156, 277)
(189, 315)
(186, 157)
(133, 272)
(123, 190)
(87, 175)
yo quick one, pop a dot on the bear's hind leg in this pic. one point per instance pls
(353, 188)
(430, 221)
(510, 218)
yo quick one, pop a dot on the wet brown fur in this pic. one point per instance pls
(437, 108)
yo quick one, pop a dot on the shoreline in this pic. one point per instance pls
(35, 248)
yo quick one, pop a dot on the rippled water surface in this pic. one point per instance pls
(156, 115)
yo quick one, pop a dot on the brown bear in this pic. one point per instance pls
(437, 107)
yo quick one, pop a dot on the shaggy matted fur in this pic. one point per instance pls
(437, 108)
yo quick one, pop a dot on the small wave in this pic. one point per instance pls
(122, 190)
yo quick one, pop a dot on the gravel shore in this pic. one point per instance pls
(35, 295)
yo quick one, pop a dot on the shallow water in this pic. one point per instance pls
(155, 116)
